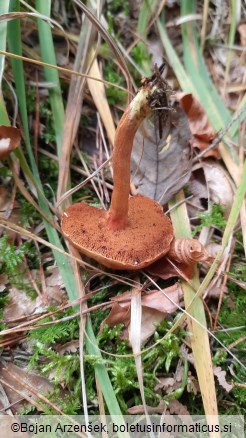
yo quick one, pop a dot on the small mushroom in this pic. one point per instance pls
(134, 232)
(10, 138)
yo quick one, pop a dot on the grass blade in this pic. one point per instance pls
(48, 56)
(4, 7)
(199, 339)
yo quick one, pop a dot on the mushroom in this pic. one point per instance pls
(10, 138)
(134, 232)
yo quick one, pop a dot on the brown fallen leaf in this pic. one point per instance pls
(213, 249)
(170, 384)
(20, 305)
(150, 318)
(70, 347)
(165, 382)
(242, 32)
(221, 376)
(202, 130)
(3, 282)
(181, 259)
(55, 287)
(120, 313)
(164, 269)
(167, 385)
(161, 167)
(139, 409)
(220, 187)
(210, 181)
(10, 138)
(155, 307)
(159, 300)
(6, 424)
(10, 372)
(178, 408)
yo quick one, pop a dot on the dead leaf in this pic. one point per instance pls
(155, 307)
(20, 305)
(210, 181)
(136, 410)
(179, 373)
(221, 376)
(55, 278)
(213, 249)
(161, 167)
(242, 31)
(70, 347)
(220, 187)
(6, 424)
(55, 288)
(164, 269)
(9, 374)
(119, 314)
(10, 138)
(178, 408)
(150, 318)
(202, 130)
(165, 382)
(3, 281)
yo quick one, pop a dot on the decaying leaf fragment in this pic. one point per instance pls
(221, 376)
(161, 167)
(201, 128)
(21, 305)
(10, 138)
(211, 181)
(20, 380)
(180, 260)
(155, 307)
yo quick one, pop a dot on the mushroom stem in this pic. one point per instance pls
(135, 113)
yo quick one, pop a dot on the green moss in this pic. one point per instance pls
(214, 217)
(116, 6)
(142, 58)
(114, 95)
(11, 258)
(60, 332)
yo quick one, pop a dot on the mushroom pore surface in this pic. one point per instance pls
(146, 238)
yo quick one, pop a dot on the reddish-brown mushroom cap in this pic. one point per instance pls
(146, 238)
(10, 138)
